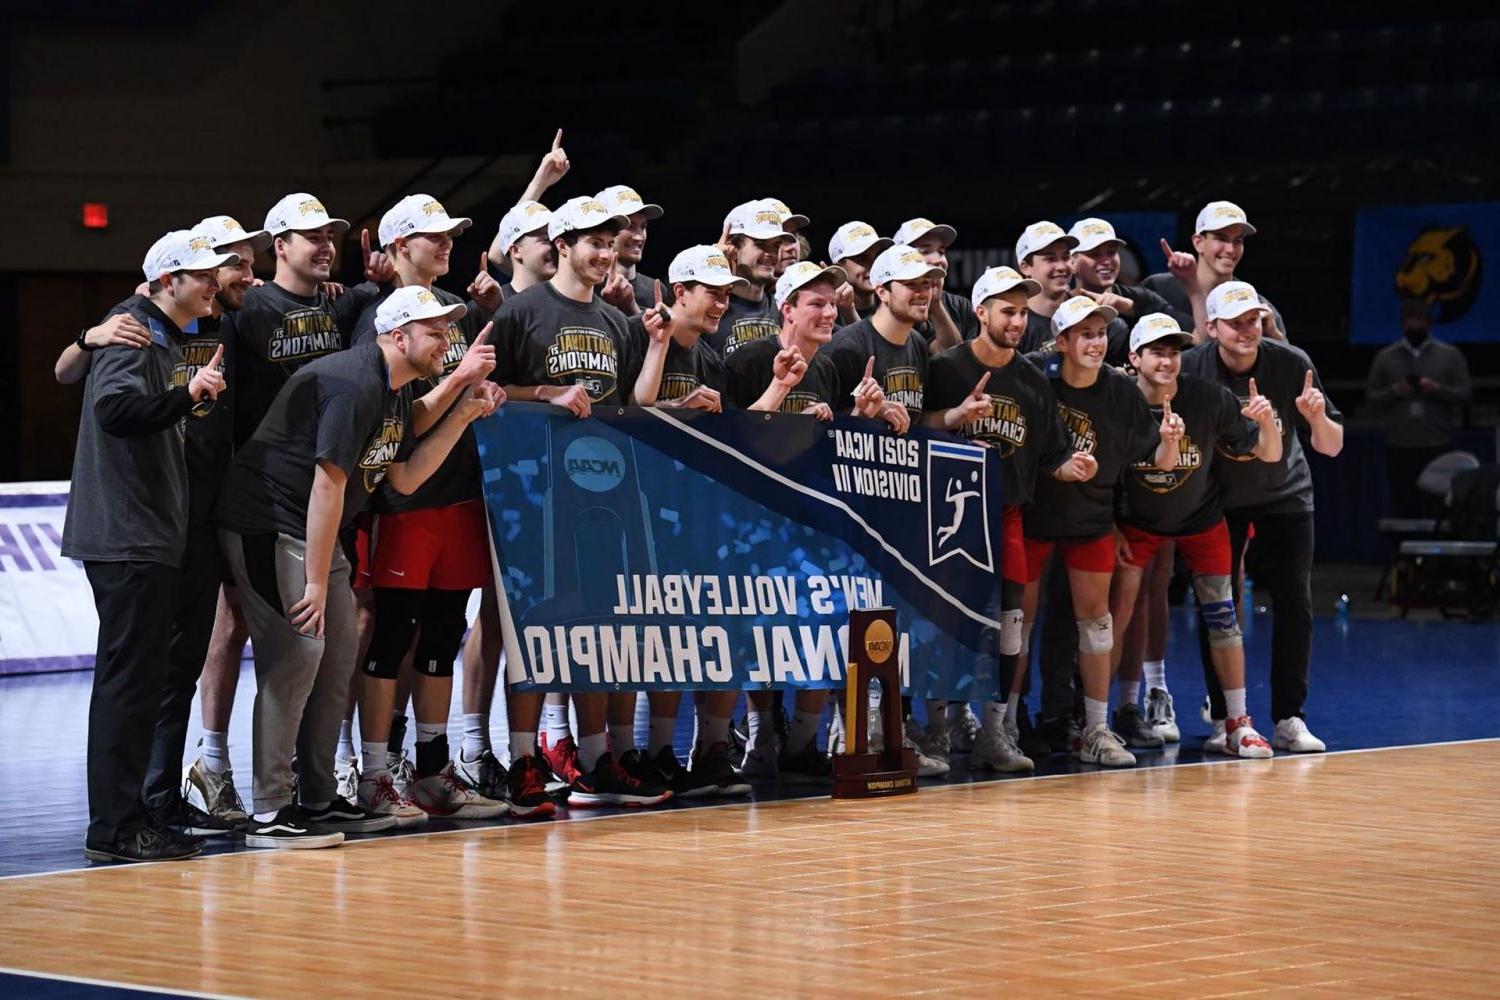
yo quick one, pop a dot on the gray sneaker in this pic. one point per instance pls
(1132, 728)
(1100, 746)
(213, 792)
(964, 731)
(346, 774)
(998, 754)
(1160, 715)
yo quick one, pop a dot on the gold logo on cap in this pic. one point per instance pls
(425, 297)
(779, 205)
(1238, 295)
(232, 225)
(911, 257)
(626, 194)
(860, 230)
(770, 217)
(311, 206)
(591, 207)
(534, 208)
(1047, 229)
(879, 641)
(433, 208)
(1005, 274)
(1094, 229)
(198, 244)
(1161, 323)
(716, 260)
(1231, 212)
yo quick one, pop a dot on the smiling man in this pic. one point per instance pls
(1043, 254)
(753, 239)
(626, 288)
(1219, 235)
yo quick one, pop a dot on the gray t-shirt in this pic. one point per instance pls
(1166, 285)
(1420, 419)
(744, 321)
(128, 501)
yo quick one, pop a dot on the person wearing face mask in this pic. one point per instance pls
(1275, 497)
(127, 521)
(753, 240)
(1043, 254)
(1219, 242)
(1420, 386)
(626, 288)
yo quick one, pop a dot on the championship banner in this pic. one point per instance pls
(676, 549)
(47, 619)
(1433, 252)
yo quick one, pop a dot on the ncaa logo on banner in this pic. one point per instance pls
(594, 464)
(957, 505)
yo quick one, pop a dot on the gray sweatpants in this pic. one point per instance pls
(302, 683)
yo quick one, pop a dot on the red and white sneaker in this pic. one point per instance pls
(446, 794)
(1241, 739)
(562, 758)
(378, 794)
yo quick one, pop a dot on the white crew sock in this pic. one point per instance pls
(1156, 673)
(1234, 701)
(1013, 706)
(1095, 712)
(216, 751)
(994, 718)
(555, 719)
(762, 729)
(521, 745)
(660, 733)
(1130, 692)
(476, 735)
(346, 740)
(591, 750)
(374, 757)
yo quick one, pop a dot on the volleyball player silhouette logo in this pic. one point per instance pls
(956, 504)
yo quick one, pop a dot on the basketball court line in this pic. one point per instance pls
(642, 814)
(6, 970)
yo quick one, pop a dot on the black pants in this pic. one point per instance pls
(1059, 642)
(192, 626)
(1284, 555)
(135, 601)
(1402, 467)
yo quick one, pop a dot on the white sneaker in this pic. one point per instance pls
(1206, 711)
(1243, 741)
(964, 731)
(378, 794)
(1012, 727)
(1102, 746)
(927, 767)
(346, 773)
(1292, 734)
(998, 754)
(1160, 715)
(403, 772)
(933, 738)
(1216, 740)
(446, 794)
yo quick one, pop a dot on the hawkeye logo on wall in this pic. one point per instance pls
(1443, 266)
(594, 464)
(957, 524)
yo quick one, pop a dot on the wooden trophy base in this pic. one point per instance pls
(858, 773)
(871, 776)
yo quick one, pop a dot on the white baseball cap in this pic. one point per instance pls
(1091, 234)
(527, 217)
(300, 212)
(853, 239)
(584, 212)
(756, 219)
(184, 250)
(903, 263)
(805, 272)
(1157, 326)
(1002, 279)
(1076, 310)
(705, 264)
(1233, 298)
(225, 230)
(914, 229)
(790, 221)
(413, 302)
(1039, 235)
(1218, 215)
(418, 213)
(622, 200)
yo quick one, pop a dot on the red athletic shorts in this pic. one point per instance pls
(1012, 545)
(1094, 556)
(1207, 552)
(360, 559)
(441, 548)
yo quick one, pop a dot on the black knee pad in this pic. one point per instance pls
(444, 618)
(396, 615)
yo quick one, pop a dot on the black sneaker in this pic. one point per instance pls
(684, 784)
(779, 722)
(346, 817)
(715, 766)
(289, 830)
(552, 783)
(609, 784)
(739, 737)
(526, 788)
(188, 824)
(486, 775)
(147, 844)
(808, 766)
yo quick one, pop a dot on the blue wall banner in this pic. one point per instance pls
(676, 549)
(1435, 252)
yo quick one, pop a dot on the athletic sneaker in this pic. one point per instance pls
(403, 773)
(1216, 739)
(682, 783)
(289, 830)
(347, 817)
(835, 732)
(759, 764)
(1012, 727)
(1047, 737)
(1160, 716)
(555, 786)
(927, 767)
(715, 766)
(932, 738)
(999, 754)
(1292, 734)
(485, 774)
(346, 776)
(562, 758)
(213, 792)
(1243, 741)
(1206, 710)
(739, 737)
(447, 794)
(608, 784)
(1131, 727)
(808, 766)
(1101, 746)
(526, 788)
(964, 731)
(378, 794)
(146, 844)
(780, 723)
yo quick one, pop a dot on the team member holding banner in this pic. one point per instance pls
(1108, 420)
(1182, 504)
(986, 391)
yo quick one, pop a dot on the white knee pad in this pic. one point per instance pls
(1010, 632)
(1096, 635)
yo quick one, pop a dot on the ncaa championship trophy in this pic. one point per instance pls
(858, 773)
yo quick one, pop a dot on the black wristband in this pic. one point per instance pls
(82, 341)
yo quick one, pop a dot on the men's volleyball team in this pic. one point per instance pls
(292, 461)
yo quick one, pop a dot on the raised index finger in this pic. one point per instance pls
(364, 244)
(557, 140)
(484, 262)
(1307, 382)
(1166, 407)
(484, 334)
(657, 291)
(1253, 392)
(984, 380)
(1166, 248)
(218, 356)
(870, 368)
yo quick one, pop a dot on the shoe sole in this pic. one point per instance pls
(309, 843)
(375, 825)
(1240, 755)
(469, 812)
(106, 857)
(406, 822)
(1291, 749)
(544, 810)
(1169, 735)
(1003, 768)
(583, 800)
(211, 831)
